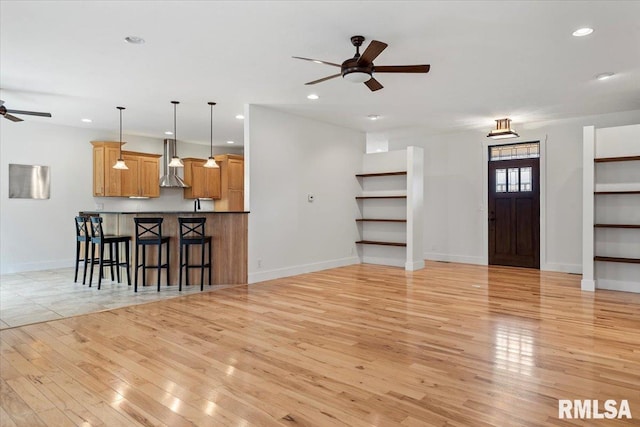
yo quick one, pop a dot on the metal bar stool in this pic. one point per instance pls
(82, 236)
(99, 239)
(192, 233)
(149, 233)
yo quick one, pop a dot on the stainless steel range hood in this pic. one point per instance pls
(170, 179)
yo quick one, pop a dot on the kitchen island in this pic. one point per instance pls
(228, 230)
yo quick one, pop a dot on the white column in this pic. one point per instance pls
(588, 136)
(415, 209)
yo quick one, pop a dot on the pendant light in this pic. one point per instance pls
(120, 164)
(503, 130)
(211, 162)
(175, 160)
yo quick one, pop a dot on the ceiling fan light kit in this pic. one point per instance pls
(360, 68)
(503, 130)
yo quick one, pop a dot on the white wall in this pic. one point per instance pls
(291, 157)
(455, 207)
(39, 234)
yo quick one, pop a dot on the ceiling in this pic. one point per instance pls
(489, 60)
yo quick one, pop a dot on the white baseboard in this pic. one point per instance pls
(588, 285)
(392, 262)
(463, 259)
(618, 285)
(562, 268)
(414, 265)
(35, 266)
(261, 276)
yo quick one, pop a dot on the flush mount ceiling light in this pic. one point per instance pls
(605, 76)
(581, 32)
(134, 40)
(211, 162)
(312, 96)
(503, 130)
(175, 160)
(120, 164)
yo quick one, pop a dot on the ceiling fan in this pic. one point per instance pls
(360, 68)
(5, 113)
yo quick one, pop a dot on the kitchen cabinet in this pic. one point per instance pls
(204, 182)
(142, 179)
(106, 180)
(231, 182)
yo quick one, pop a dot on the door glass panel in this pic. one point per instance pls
(501, 180)
(513, 186)
(525, 179)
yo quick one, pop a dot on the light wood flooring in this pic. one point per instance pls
(362, 345)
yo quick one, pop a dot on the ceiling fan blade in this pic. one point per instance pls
(402, 69)
(323, 79)
(372, 51)
(317, 61)
(373, 84)
(12, 118)
(29, 113)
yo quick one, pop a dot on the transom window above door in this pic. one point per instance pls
(529, 150)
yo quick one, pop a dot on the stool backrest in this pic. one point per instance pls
(82, 234)
(192, 228)
(148, 229)
(96, 228)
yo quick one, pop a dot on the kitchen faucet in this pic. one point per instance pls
(196, 205)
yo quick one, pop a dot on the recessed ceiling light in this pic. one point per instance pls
(312, 96)
(230, 142)
(604, 76)
(168, 132)
(373, 117)
(86, 120)
(239, 117)
(134, 40)
(581, 32)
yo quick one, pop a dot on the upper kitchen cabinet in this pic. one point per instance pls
(204, 182)
(231, 182)
(142, 179)
(106, 180)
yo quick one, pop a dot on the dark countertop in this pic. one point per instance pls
(162, 212)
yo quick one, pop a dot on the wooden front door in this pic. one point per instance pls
(514, 213)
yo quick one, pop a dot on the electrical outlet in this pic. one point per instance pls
(99, 206)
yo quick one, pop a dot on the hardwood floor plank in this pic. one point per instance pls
(361, 345)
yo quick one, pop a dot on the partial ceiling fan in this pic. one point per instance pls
(6, 113)
(360, 68)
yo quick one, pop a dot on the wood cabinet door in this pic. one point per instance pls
(212, 183)
(98, 171)
(236, 174)
(112, 177)
(149, 177)
(129, 178)
(198, 173)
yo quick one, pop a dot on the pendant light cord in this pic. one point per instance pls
(120, 108)
(211, 144)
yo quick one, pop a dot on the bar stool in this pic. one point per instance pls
(192, 233)
(149, 233)
(82, 236)
(98, 238)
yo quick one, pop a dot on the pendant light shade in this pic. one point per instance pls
(503, 130)
(120, 164)
(175, 160)
(211, 162)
